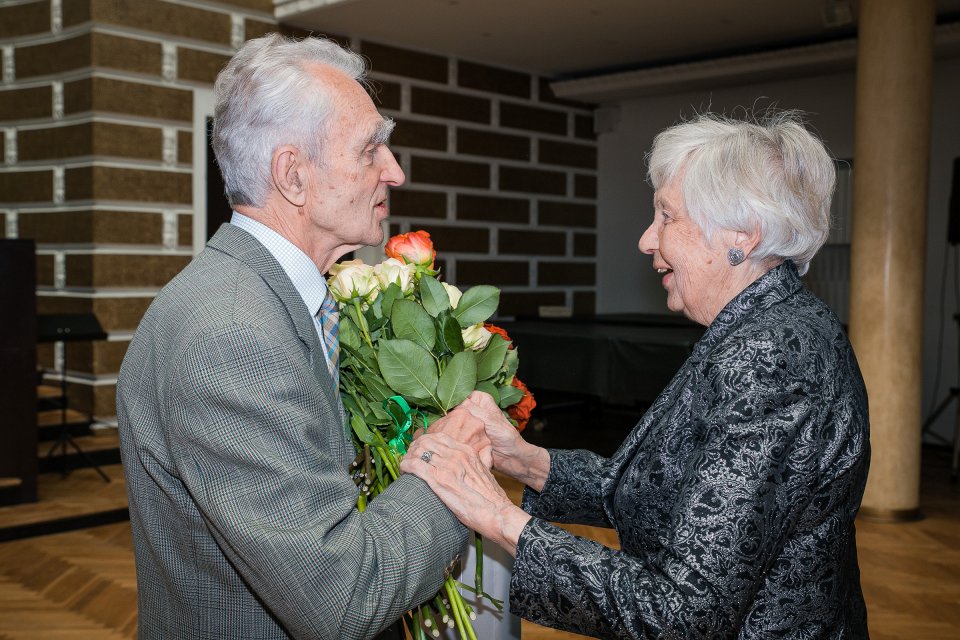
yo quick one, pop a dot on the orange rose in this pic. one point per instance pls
(521, 410)
(492, 328)
(412, 248)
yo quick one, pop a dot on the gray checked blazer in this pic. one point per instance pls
(235, 451)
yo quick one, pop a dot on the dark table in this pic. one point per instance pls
(620, 358)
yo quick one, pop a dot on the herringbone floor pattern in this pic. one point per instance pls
(81, 585)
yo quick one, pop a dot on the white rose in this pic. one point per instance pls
(353, 279)
(476, 337)
(453, 293)
(393, 271)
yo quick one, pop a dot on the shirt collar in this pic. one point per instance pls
(303, 273)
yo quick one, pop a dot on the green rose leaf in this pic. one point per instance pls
(389, 295)
(377, 388)
(376, 324)
(363, 354)
(360, 428)
(433, 295)
(408, 368)
(510, 363)
(351, 406)
(477, 304)
(491, 358)
(411, 322)
(509, 395)
(450, 336)
(349, 334)
(380, 416)
(458, 380)
(489, 387)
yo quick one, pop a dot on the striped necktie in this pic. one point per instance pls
(330, 324)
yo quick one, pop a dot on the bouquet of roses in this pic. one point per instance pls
(412, 348)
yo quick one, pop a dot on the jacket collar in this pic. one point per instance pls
(236, 242)
(769, 289)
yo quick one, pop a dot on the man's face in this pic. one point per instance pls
(348, 195)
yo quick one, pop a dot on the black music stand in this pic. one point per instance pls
(69, 327)
(952, 394)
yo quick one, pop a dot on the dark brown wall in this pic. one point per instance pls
(97, 161)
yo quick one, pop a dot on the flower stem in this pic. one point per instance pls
(478, 572)
(390, 462)
(431, 621)
(458, 618)
(442, 608)
(362, 321)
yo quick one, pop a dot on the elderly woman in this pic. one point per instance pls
(734, 497)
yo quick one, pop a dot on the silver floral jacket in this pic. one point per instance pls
(734, 497)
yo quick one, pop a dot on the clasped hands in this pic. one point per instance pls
(455, 459)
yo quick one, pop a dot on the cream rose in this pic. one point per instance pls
(353, 279)
(476, 337)
(453, 294)
(393, 271)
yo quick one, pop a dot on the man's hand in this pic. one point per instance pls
(464, 483)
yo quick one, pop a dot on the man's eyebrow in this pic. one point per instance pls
(382, 133)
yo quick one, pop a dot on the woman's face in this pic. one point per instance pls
(697, 276)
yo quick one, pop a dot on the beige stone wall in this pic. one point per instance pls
(96, 110)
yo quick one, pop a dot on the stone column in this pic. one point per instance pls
(890, 165)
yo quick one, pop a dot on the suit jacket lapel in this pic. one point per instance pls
(236, 242)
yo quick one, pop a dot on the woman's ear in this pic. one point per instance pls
(288, 170)
(745, 241)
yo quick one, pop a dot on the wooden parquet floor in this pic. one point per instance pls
(81, 585)
(80, 494)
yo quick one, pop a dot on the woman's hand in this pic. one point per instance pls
(464, 483)
(512, 454)
(466, 429)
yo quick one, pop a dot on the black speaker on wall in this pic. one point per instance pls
(953, 229)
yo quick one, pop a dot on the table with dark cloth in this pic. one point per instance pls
(619, 358)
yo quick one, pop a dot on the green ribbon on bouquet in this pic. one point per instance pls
(400, 442)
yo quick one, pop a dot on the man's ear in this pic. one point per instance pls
(288, 169)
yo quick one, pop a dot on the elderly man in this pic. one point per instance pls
(233, 437)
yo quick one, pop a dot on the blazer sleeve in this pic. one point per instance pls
(740, 496)
(283, 509)
(572, 492)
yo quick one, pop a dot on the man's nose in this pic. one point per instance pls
(392, 174)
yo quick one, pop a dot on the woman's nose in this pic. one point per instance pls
(648, 241)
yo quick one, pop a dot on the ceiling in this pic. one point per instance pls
(577, 38)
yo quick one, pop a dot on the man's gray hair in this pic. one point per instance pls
(770, 174)
(266, 97)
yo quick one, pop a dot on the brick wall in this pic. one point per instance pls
(96, 109)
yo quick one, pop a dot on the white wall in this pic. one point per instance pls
(626, 281)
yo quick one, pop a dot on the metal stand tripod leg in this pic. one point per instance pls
(64, 438)
(956, 446)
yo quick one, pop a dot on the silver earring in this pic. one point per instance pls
(735, 256)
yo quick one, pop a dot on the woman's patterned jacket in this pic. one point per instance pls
(734, 497)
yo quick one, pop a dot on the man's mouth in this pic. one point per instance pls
(663, 270)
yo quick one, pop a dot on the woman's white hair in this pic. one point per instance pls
(769, 174)
(266, 97)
